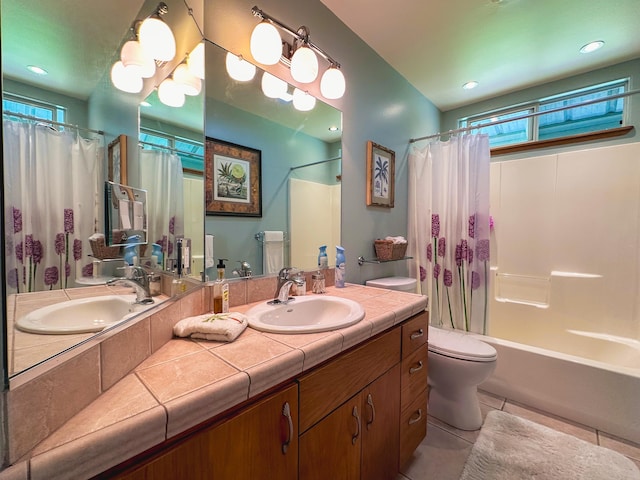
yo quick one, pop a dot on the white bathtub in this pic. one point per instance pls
(596, 383)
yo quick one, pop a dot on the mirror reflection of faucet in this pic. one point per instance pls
(244, 270)
(137, 278)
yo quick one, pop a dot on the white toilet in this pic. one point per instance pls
(458, 363)
(403, 284)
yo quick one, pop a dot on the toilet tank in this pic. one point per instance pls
(403, 284)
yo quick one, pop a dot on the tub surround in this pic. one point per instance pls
(144, 401)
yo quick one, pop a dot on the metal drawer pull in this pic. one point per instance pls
(373, 411)
(354, 439)
(286, 412)
(417, 419)
(417, 334)
(416, 368)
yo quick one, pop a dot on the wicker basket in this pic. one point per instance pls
(101, 251)
(387, 250)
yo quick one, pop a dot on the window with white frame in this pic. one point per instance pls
(191, 153)
(29, 107)
(560, 121)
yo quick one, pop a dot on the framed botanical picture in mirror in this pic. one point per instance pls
(381, 166)
(233, 179)
(117, 160)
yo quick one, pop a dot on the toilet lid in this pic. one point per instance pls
(459, 345)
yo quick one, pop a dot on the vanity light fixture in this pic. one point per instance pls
(195, 61)
(274, 87)
(239, 69)
(156, 36)
(171, 93)
(153, 43)
(302, 101)
(268, 48)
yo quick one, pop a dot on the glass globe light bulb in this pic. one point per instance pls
(266, 44)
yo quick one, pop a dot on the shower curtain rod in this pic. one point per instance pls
(529, 115)
(170, 149)
(41, 120)
(315, 163)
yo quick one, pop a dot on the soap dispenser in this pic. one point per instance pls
(221, 290)
(131, 250)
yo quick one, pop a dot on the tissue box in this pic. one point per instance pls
(388, 250)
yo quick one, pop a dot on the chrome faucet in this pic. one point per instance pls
(244, 270)
(138, 279)
(281, 296)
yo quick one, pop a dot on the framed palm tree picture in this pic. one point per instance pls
(233, 179)
(381, 164)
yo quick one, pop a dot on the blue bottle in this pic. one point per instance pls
(340, 267)
(323, 260)
(156, 251)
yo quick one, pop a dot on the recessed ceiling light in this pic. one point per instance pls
(37, 70)
(470, 85)
(591, 46)
(333, 129)
(144, 103)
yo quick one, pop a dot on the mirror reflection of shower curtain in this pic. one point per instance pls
(161, 176)
(449, 229)
(51, 205)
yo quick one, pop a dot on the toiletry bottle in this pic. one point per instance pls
(299, 284)
(156, 251)
(340, 267)
(323, 260)
(220, 290)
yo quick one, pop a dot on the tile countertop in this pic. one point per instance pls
(187, 382)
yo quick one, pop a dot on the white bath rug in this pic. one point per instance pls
(512, 448)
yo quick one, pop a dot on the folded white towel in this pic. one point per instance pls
(398, 239)
(221, 327)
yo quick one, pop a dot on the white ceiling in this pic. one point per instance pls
(506, 45)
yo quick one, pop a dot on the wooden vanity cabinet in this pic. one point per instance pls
(261, 442)
(413, 392)
(356, 437)
(358, 416)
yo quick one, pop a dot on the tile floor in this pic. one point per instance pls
(442, 454)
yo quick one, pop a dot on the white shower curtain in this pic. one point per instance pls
(161, 176)
(51, 183)
(449, 229)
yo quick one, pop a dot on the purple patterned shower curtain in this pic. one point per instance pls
(449, 229)
(51, 206)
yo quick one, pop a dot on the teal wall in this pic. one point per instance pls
(630, 70)
(379, 105)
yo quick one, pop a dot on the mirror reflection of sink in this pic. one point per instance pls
(306, 314)
(85, 315)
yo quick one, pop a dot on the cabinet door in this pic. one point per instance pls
(259, 443)
(381, 427)
(331, 449)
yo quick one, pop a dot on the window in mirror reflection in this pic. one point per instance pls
(190, 152)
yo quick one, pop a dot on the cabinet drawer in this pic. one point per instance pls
(415, 333)
(413, 427)
(414, 375)
(324, 389)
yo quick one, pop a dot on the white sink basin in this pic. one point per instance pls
(306, 314)
(84, 315)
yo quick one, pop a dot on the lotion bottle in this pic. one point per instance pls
(221, 290)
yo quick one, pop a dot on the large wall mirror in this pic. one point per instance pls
(300, 166)
(96, 129)
(300, 151)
